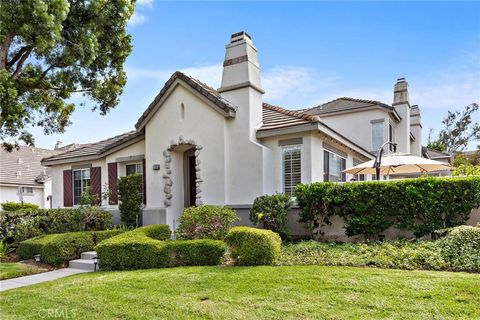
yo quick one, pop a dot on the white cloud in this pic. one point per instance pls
(136, 19)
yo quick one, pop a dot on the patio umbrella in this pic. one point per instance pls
(399, 163)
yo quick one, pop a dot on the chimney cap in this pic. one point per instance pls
(241, 33)
(401, 80)
(239, 36)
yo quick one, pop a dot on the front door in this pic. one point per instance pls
(192, 190)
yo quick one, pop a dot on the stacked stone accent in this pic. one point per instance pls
(168, 183)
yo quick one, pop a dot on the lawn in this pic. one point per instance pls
(290, 292)
(10, 270)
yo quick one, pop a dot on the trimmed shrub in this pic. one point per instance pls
(272, 211)
(250, 246)
(15, 206)
(129, 189)
(461, 248)
(56, 249)
(17, 226)
(204, 252)
(205, 222)
(132, 250)
(421, 205)
(137, 249)
(156, 231)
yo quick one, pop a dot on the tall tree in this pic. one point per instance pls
(53, 49)
(458, 131)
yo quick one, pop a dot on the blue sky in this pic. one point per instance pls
(310, 53)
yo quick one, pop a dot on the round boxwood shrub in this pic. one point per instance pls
(461, 248)
(272, 211)
(205, 222)
(250, 246)
(15, 206)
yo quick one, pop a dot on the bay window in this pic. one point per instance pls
(333, 166)
(377, 135)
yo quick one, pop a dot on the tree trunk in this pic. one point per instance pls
(4, 47)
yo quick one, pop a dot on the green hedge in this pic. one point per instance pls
(420, 205)
(149, 247)
(15, 206)
(16, 226)
(56, 249)
(250, 246)
(461, 248)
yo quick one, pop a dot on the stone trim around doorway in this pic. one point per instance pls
(167, 180)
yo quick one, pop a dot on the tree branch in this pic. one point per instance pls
(17, 56)
(20, 63)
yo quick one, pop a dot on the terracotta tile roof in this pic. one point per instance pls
(346, 104)
(95, 148)
(202, 88)
(22, 166)
(275, 117)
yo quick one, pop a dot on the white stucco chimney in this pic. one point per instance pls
(402, 106)
(240, 67)
(416, 129)
(241, 83)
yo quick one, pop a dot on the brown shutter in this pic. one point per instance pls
(112, 183)
(96, 183)
(144, 177)
(67, 188)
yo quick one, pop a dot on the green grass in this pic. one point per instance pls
(296, 292)
(14, 270)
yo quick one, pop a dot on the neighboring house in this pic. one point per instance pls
(194, 144)
(23, 178)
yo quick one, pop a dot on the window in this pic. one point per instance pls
(377, 135)
(333, 165)
(81, 181)
(292, 168)
(358, 177)
(27, 190)
(391, 135)
(135, 168)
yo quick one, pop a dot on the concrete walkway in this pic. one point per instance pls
(38, 278)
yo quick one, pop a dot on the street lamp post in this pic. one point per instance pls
(378, 159)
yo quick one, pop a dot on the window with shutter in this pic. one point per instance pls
(81, 181)
(292, 167)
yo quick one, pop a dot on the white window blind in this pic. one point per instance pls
(292, 168)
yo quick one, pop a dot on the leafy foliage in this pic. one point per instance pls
(466, 165)
(205, 222)
(129, 188)
(420, 205)
(51, 50)
(138, 249)
(461, 248)
(57, 249)
(16, 226)
(15, 206)
(251, 247)
(459, 129)
(272, 211)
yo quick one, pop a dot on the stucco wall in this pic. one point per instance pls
(10, 194)
(357, 127)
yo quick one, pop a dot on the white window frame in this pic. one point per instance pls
(381, 124)
(282, 174)
(340, 156)
(82, 187)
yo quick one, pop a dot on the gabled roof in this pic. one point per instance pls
(277, 121)
(346, 104)
(23, 166)
(95, 150)
(212, 95)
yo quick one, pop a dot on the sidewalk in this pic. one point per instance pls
(38, 278)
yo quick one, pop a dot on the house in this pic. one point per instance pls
(195, 144)
(23, 178)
